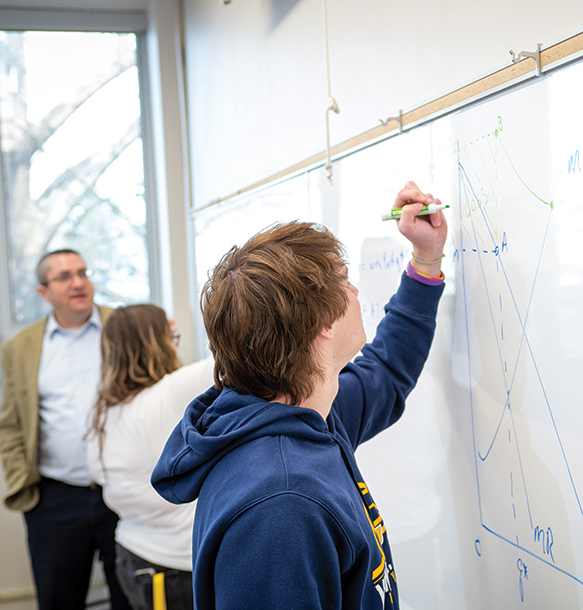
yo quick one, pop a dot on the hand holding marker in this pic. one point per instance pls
(395, 213)
(426, 234)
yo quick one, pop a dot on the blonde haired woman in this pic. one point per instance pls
(143, 395)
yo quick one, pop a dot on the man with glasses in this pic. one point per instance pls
(52, 369)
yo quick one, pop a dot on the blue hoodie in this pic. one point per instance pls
(284, 519)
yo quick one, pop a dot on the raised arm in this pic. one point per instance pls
(373, 389)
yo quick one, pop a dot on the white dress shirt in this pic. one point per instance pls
(68, 378)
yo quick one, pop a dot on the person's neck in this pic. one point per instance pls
(72, 321)
(326, 384)
(330, 362)
(321, 399)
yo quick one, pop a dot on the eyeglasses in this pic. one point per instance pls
(67, 278)
(176, 338)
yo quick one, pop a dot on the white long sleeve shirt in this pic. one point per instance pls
(135, 434)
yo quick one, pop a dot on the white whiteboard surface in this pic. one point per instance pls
(481, 481)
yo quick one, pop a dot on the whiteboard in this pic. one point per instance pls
(480, 483)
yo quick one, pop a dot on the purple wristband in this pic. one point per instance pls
(430, 281)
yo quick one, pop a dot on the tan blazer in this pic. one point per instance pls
(19, 414)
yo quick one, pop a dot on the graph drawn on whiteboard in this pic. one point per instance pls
(529, 498)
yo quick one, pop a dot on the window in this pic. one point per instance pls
(72, 161)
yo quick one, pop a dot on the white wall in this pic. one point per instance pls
(256, 71)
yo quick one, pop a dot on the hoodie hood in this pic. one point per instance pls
(214, 424)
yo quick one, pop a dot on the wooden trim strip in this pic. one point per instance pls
(501, 79)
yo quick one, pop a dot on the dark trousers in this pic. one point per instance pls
(65, 529)
(138, 587)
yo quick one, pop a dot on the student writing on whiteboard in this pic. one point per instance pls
(284, 518)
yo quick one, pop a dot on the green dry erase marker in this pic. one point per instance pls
(395, 213)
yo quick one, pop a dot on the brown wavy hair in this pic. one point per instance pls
(265, 303)
(136, 352)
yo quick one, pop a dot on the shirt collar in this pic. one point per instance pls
(53, 325)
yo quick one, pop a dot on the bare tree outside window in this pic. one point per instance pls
(72, 161)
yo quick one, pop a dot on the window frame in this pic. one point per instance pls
(129, 22)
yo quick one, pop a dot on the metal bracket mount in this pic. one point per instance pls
(532, 54)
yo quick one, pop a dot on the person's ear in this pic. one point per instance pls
(43, 291)
(327, 332)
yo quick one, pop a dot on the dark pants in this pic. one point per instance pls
(138, 587)
(65, 529)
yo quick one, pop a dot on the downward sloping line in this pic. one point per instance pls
(548, 563)
(549, 203)
(503, 373)
(523, 334)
